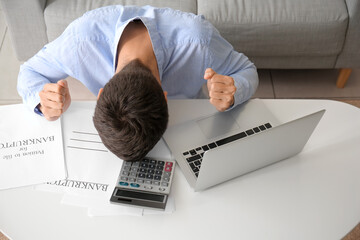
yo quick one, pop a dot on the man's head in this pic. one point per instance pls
(131, 113)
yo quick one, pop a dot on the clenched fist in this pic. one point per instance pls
(54, 99)
(221, 89)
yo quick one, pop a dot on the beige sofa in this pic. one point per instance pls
(274, 34)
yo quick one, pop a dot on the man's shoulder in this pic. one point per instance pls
(97, 23)
(184, 27)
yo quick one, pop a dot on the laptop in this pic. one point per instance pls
(218, 147)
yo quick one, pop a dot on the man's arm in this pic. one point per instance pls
(229, 71)
(38, 80)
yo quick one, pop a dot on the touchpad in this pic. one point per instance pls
(218, 124)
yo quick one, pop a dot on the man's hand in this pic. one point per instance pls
(221, 89)
(54, 99)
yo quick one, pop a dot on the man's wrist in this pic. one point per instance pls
(38, 111)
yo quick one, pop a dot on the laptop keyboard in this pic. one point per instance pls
(194, 156)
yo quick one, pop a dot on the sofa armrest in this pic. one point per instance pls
(350, 55)
(26, 25)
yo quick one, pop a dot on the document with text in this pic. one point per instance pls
(31, 148)
(90, 165)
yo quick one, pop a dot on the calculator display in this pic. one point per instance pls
(140, 195)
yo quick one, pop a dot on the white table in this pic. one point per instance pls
(314, 195)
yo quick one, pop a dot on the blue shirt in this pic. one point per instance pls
(184, 45)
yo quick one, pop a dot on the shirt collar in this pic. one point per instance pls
(154, 36)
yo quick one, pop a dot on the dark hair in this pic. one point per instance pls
(131, 114)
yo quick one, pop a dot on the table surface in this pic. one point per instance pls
(313, 195)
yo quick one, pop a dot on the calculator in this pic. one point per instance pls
(144, 183)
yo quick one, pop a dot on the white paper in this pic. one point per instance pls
(116, 210)
(31, 148)
(101, 206)
(170, 208)
(91, 167)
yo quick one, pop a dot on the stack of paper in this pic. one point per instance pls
(31, 148)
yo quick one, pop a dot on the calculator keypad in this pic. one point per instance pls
(148, 174)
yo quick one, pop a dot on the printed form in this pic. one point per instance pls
(31, 148)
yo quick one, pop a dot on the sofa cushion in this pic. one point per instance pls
(59, 14)
(280, 27)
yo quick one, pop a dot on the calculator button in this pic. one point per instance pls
(132, 179)
(146, 160)
(148, 187)
(152, 166)
(123, 183)
(158, 172)
(124, 178)
(167, 174)
(127, 163)
(126, 168)
(169, 164)
(151, 171)
(149, 176)
(161, 163)
(135, 164)
(132, 174)
(148, 182)
(143, 170)
(140, 181)
(141, 175)
(158, 167)
(157, 177)
(166, 179)
(152, 161)
(144, 165)
(125, 173)
(168, 169)
(156, 183)
(135, 185)
(162, 189)
(164, 184)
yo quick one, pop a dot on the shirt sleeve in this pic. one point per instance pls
(52, 63)
(226, 61)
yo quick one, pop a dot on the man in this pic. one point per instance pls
(144, 50)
